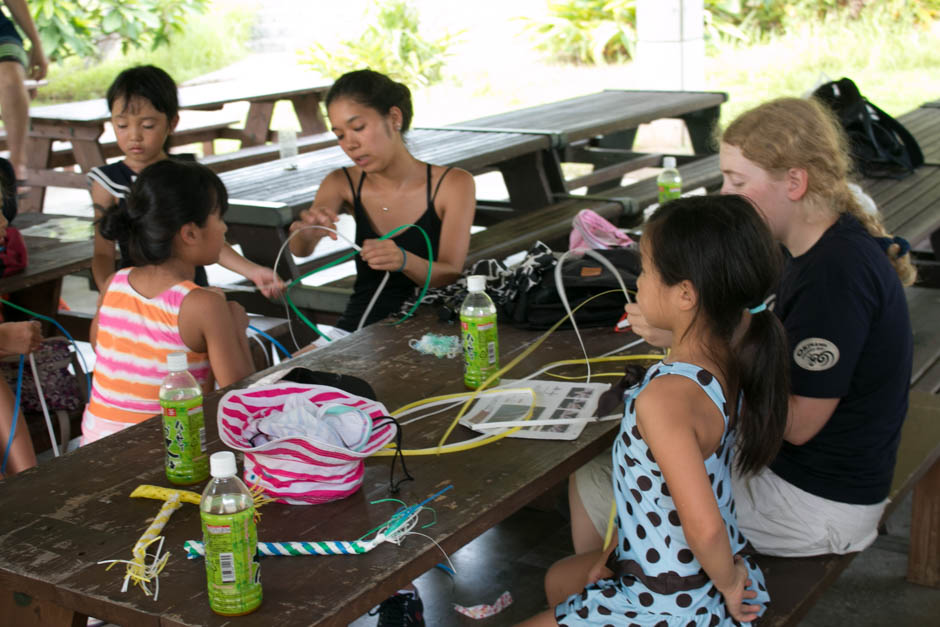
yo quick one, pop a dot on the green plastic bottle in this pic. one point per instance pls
(233, 572)
(480, 337)
(184, 427)
(669, 181)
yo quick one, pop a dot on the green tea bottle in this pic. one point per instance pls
(669, 181)
(184, 428)
(478, 330)
(233, 574)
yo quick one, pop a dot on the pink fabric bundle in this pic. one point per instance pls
(589, 229)
(299, 470)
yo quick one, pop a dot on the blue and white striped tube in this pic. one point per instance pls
(194, 548)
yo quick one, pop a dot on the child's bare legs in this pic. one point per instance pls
(584, 535)
(22, 455)
(544, 619)
(564, 578)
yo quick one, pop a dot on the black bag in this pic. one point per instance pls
(881, 147)
(540, 307)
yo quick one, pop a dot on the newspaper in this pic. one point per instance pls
(561, 409)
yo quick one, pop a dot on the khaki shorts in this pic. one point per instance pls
(596, 489)
(777, 517)
(781, 519)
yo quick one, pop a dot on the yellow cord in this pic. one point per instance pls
(389, 449)
(610, 525)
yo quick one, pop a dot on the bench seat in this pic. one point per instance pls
(194, 127)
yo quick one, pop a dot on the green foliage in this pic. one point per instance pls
(391, 43)
(586, 31)
(78, 27)
(208, 43)
(604, 31)
(893, 63)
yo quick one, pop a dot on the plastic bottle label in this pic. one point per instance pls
(480, 349)
(184, 433)
(233, 571)
(669, 191)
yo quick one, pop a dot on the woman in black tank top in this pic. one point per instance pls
(387, 188)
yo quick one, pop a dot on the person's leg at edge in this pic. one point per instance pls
(14, 108)
(22, 454)
(564, 578)
(584, 534)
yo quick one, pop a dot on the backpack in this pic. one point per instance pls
(880, 145)
(540, 306)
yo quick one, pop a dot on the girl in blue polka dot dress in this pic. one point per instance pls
(675, 559)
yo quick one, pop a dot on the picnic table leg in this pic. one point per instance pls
(38, 154)
(701, 125)
(26, 611)
(87, 153)
(307, 108)
(258, 123)
(532, 180)
(923, 565)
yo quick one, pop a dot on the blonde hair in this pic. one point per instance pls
(796, 133)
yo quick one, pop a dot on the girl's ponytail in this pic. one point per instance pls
(763, 369)
(115, 224)
(725, 249)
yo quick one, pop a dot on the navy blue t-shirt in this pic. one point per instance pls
(849, 331)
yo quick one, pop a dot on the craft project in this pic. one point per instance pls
(401, 524)
(139, 571)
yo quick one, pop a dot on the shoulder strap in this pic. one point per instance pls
(913, 152)
(439, 181)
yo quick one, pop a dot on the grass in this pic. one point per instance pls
(209, 42)
(894, 65)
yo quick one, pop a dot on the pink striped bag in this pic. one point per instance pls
(300, 470)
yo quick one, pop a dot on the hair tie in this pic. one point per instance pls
(886, 242)
(404, 259)
(758, 309)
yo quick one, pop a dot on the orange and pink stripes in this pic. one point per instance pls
(135, 335)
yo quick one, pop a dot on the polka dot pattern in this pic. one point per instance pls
(652, 550)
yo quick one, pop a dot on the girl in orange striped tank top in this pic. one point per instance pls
(173, 222)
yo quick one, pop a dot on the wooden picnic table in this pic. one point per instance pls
(598, 129)
(82, 124)
(64, 247)
(62, 517)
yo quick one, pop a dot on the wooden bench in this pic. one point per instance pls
(195, 127)
(795, 584)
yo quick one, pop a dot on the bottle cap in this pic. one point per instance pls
(176, 362)
(476, 283)
(223, 464)
(669, 162)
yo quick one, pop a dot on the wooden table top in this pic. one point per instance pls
(600, 113)
(296, 189)
(205, 96)
(62, 517)
(65, 247)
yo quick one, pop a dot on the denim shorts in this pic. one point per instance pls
(11, 44)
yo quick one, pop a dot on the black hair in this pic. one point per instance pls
(374, 90)
(167, 195)
(722, 246)
(150, 83)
